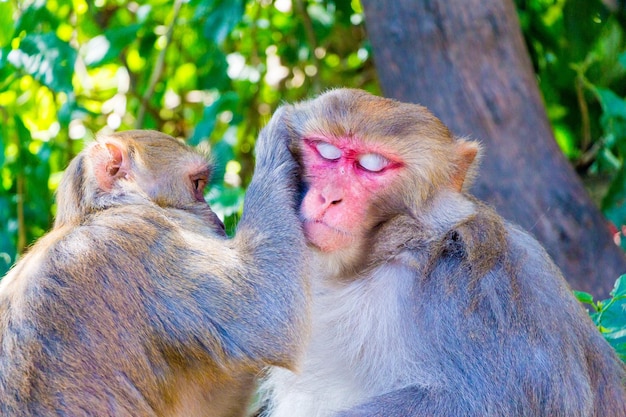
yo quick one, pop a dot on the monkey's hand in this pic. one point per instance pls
(273, 156)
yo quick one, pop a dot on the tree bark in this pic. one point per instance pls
(467, 62)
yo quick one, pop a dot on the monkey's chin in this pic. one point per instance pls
(326, 238)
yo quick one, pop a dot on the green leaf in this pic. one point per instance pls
(7, 237)
(612, 104)
(613, 318)
(6, 21)
(48, 59)
(320, 14)
(205, 127)
(622, 59)
(212, 70)
(619, 290)
(617, 335)
(107, 47)
(34, 16)
(1, 148)
(221, 17)
(225, 200)
(584, 297)
(221, 152)
(614, 202)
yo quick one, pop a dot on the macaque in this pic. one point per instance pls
(425, 301)
(137, 304)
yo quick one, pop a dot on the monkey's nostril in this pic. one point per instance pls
(335, 202)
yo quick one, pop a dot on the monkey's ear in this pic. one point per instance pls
(111, 162)
(467, 154)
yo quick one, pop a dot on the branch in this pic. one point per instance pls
(158, 67)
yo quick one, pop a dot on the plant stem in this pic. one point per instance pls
(158, 68)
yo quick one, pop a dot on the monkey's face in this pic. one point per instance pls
(343, 175)
(184, 191)
(169, 172)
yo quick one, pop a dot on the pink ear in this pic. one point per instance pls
(110, 163)
(116, 160)
(466, 153)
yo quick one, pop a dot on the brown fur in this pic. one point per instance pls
(443, 308)
(136, 304)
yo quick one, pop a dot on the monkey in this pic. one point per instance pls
(425, 302)
(136, 303)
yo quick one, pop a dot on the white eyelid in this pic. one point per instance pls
(328, 151)
(373, 162)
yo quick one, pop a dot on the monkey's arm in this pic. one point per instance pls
(411, 401)
(249, 291)
(271, 244)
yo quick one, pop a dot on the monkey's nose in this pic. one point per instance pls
(331, 196)
(327, 201)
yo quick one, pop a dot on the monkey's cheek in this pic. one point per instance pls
(326, 238)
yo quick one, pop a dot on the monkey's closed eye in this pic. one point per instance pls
(373, 162)
(328, 151)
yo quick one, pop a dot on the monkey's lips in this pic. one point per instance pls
(325, 237)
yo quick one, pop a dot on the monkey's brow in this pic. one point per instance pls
(204, 166)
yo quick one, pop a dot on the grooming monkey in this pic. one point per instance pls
(136, 303)
(425, 301)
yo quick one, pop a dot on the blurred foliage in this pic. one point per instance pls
(578, 49)
(208, 71)
(213, 71)
(610, 315)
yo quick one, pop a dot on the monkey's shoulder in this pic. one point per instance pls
(123, 234)
(478, 244)
(483, 257)
(477, 239)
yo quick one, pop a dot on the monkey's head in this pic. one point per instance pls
(135, 167)
(367, 159)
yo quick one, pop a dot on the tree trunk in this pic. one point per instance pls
(466, 61)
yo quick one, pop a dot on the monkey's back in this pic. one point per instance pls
(509, 328)
(70, 315)
(74, 322)
(513, 332)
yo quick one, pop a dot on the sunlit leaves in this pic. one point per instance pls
(6, 21)
(205, 127)
(35, 17)
(47, 58)
(107, 47)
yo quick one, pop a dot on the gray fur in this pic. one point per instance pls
(128, 308)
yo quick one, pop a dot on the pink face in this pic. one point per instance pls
(343, 176)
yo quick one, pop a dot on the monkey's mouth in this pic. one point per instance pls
(322, 224)
(325, 237)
